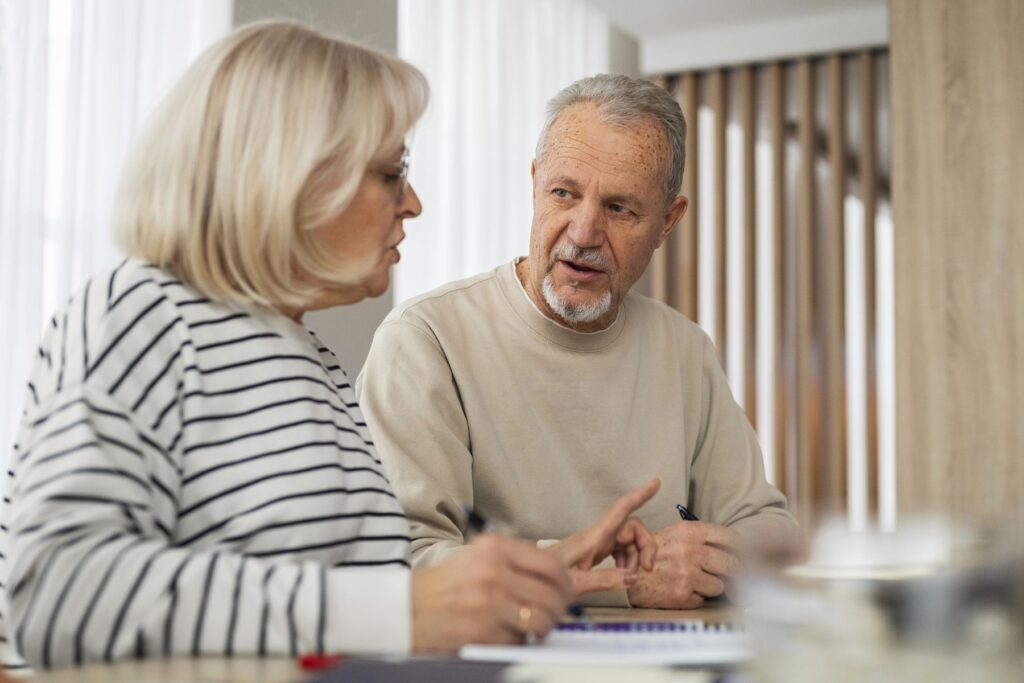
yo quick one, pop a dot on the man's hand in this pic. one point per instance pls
(694, 559)
(496, 590)
(617, 534)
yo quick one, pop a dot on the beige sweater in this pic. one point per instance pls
(475, 397)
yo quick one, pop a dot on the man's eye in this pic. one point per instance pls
(560, 192)
(618, 208)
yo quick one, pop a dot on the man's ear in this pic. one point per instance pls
(673, 214)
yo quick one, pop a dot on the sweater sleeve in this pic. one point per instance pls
(93, 570)
(426, 452)
(727, 470)
(94, 575)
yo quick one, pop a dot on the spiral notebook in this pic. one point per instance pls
(668, 643)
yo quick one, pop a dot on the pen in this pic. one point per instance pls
(686, 515)
(475, 523)
(478, 524)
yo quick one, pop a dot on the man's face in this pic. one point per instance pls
(599, 212)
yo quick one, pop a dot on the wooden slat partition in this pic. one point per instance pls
(808, 453)
(868, 184)
(660, 272)
(748, 123)
(784, 393)
(833, 309)
(808, 413)
(719, 101)
(687, 285)
(660, 260)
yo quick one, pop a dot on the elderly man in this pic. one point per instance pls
(540, 391)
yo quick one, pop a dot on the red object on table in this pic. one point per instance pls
(318, 662)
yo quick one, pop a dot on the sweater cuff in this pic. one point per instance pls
(368, 611)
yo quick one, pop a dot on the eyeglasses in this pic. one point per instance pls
(397, 173)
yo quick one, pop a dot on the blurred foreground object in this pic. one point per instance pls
(930, 602)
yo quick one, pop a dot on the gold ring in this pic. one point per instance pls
(524, 619)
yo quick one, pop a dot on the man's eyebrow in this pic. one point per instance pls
(619, 198)
(623, 198)
(564, 181)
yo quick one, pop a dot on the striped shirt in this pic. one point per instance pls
(193, 477)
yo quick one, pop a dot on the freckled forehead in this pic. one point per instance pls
(635, 153)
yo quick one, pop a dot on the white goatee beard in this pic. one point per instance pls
(574, 313)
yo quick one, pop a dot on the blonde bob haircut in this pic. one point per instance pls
(266, 137)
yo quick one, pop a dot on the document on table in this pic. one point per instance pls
(673, 643)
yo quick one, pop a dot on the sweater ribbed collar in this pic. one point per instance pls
(555, 332)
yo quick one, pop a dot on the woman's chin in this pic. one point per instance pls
(378, 284)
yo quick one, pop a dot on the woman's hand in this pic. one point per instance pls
(496, 590)
(616, 534)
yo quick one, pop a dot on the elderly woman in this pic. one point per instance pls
(193, 475)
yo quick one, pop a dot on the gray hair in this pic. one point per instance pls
(622, 100)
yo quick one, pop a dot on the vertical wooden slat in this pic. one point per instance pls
(688, 277)
(718, 99)
(868, 195)
(833, 308)
(749, 125)
(776, 115)
(661, 256)
(659, 273)
(808, 455)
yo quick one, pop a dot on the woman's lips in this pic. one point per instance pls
(394, 248)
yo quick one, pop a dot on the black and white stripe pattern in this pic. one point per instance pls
(194, 478)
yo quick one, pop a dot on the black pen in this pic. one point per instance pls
(475, 523)
(686, 515)
(478, 524)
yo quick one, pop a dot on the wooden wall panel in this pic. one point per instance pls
(958, 132)
(747, 105)
(784, 393)
(868, 184)
(832, 307)
(687, 285)
(809, 468)
(660, 261)
(718, 99)
(719, 102)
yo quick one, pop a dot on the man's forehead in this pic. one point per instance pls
(581, 136)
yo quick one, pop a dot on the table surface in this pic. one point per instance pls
(285, 670)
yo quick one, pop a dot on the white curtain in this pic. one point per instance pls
(492, 66)
(77, 77)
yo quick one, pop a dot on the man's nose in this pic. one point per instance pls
(587, 226)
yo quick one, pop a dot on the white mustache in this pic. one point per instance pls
(570, 252)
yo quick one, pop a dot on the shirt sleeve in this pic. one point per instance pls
(426, 453)
(727, 471)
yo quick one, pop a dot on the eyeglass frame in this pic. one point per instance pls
(398, 168)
